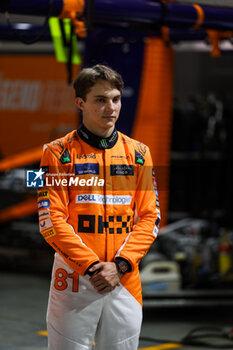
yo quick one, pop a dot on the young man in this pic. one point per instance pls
(100, 229)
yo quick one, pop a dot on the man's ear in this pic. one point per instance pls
(79, 103)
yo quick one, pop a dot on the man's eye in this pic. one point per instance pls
(116, 99)
(102, 100)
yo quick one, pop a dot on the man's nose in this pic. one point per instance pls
(110, 106)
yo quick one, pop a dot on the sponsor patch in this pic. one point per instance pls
(48, 233)
(157, 222)
(113, 137)
(141, 148)
(45, 224)
(83, 133)
(101, 199)
(104, 143)
(43, 194)
(155, 231)
(87, 168)
(121, 157)
(65, 157)
(44, 213)
(121, 169)
(111, 224)
(58, 143)
(87, 156)
(43, 204)
(139, 158)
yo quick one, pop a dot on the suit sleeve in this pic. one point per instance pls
(145, 230)
(53, 214)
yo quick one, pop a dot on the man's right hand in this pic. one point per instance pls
(106, 277)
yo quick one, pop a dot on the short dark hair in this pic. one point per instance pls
(88, 77)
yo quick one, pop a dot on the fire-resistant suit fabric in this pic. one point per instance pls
(99, 202)
(77, 314)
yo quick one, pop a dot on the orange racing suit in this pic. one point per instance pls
(115, 214)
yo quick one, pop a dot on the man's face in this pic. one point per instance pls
(101, 108)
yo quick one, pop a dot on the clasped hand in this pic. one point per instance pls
(106, 277)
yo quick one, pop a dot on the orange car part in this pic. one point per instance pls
(72, 9)
(28, 207)
(154, 113)
(214, 37)
(200, 16)
(22, 159)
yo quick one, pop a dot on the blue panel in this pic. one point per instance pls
(177, 34)
(123, 51)
(86, 168)
(184, 15)
(181, 15)
(218, 17)
(143, 11)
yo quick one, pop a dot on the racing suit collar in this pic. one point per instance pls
(97, 141)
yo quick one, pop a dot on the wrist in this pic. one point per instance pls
(122, 266)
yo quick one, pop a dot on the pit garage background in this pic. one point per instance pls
(176, 60)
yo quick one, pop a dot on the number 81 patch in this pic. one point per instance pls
(62, 279)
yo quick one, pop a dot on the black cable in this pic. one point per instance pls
(69, 45)
(90, 15)
(41, 32)
(63, 34)
(70, 54)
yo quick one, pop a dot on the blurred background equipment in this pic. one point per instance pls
(176, 61)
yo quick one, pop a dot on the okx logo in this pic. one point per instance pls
(35, 178)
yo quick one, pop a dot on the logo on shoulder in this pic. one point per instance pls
(139, 158)
(65, 157)
(141, 148)
(58, 143)
(35, 178)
